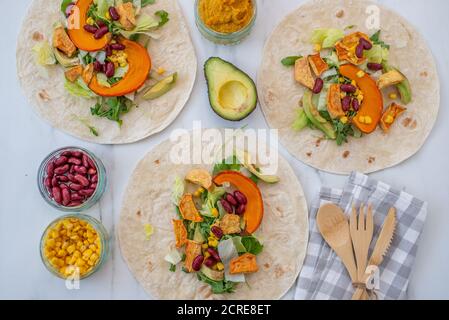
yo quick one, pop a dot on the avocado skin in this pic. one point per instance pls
(309, 109)
(216, 108)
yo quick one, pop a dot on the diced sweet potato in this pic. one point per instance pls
(318, 64)
(230, 224)
(62, 42)
(334, 101)
(347, 46)
(88, 73)
(390, 116)
(246, 263)
(200, 177)
(73, 73)
(188, 209)
(180, 233)
(127, 15)
(303, 73)
(193, 250)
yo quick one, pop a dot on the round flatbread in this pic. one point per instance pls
(284, 232)
(280, 94)
(173, 51)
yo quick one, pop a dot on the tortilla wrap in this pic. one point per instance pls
(173, 51)
(280, 94)
(284, 233)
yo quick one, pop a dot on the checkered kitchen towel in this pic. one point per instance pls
(324, 276)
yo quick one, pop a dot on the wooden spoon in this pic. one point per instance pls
(334, 227)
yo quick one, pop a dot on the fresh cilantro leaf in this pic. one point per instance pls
(112, 108)
(147, 2)
(375, 38)
(231, 163)
(64, 5)
(252, 245)
(88, 59)
(217, 286)
(113, 80)
(290, 61)
(172, 267)
(94, 131)
(183, 257)
(163, 15)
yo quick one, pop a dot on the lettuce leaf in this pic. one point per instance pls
(79, 89)
(377, 54)
(44, 54)
(326, 37)
(177, 191)
(227, 252)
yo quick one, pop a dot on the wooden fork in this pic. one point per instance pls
(361, 229)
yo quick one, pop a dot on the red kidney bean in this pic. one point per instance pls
(355, 104)
(348, 88)
(77, 197)
(56, 193)
(82, 180)
(241, 209)
(47, 182)
(54, 182)
(209, 262)
(66, 154)
(93, 186)
(366, 44)
(76, 187)
(230, 198)
(80, 169)
(118, 46)
(197, 263)
(94, 179)
(66, 198)
(61, 170)
(74, 161)
(114, 14)
(318, 86)
(74, 204)
(100, 23)
(110, 69)
(92, 171)
(375, 66)
(214, 254)
(71, 177)
(85, 162)
(240, 197)
(60, 161)
(91, 163)
(63, 186)
(346, 103)
(108, 51)
(72, 170)
(86, 192)
(98, 66)
(101, 32)
(50, 169)
(359, 50)
(62, 178)
(90, 29)
(226, 206)
(217, 232)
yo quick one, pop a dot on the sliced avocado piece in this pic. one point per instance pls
(212, 274)
(198, 236)
(232, 93)
(311, 113)
(301, 120)
(161, 87)
(404, 88)
(65, 61)
(245, 158)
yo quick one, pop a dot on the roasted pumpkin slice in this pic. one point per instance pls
(82, 39)
(334, 101)
(317, 64)
(180, 233)
(139, 66)
(390, 115)
(200, 177)
(188, 209)
(372, 105)
(193, 250)
(246, 263)
(254, 208)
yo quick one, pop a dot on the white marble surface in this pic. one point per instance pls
(26, 140)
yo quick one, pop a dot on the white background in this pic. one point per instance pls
(25, 140)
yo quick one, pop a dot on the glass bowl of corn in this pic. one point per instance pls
(74, 246)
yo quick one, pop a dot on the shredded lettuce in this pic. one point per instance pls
(332, 60)
(238, 244)
(145, 24)
(121, 72)
(173, 257)
(103, 7)
(79, 89)
(211, 201)
(227, 252)
(103, 80)
(177, 191)
(377, 54)
(327, 37)
(44, 54)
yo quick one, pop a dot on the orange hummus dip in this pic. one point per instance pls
(226, 16)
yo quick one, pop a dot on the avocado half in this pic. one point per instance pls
(232, 93)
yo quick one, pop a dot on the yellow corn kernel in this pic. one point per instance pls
(62, 253)
(368, 120)
(206, 255)
(107, 15)
(220, 266)
(393, 96)
(124, 64)
(213, 243)
(70, 249)
(317, 47)
(50, 243)
(90, 21)
(205, 246)
(215, 212)
(87, 253)
(80, 262)
(361, 74)
(93, 257)
(362, 119)
(354, 83)
(344, 120)
(341, 79)
(160, 71)
(389, 119)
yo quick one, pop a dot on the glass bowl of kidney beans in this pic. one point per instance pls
(71, 179)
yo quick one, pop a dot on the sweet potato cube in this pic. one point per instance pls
(230, 224)
(303, 73)
(246, 263)
(180, 233)
(193, 250)
(188, 209)
(317, 64)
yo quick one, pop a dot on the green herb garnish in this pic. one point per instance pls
(252, 245)
(172, 267)
(217, 286)
(290, 61)
(375, 38)
(163, 15)
(112, 108)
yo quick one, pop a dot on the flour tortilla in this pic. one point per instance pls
(173, 51)
(280, 94)
(284, 232)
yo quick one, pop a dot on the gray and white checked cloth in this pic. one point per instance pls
(324, 276)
